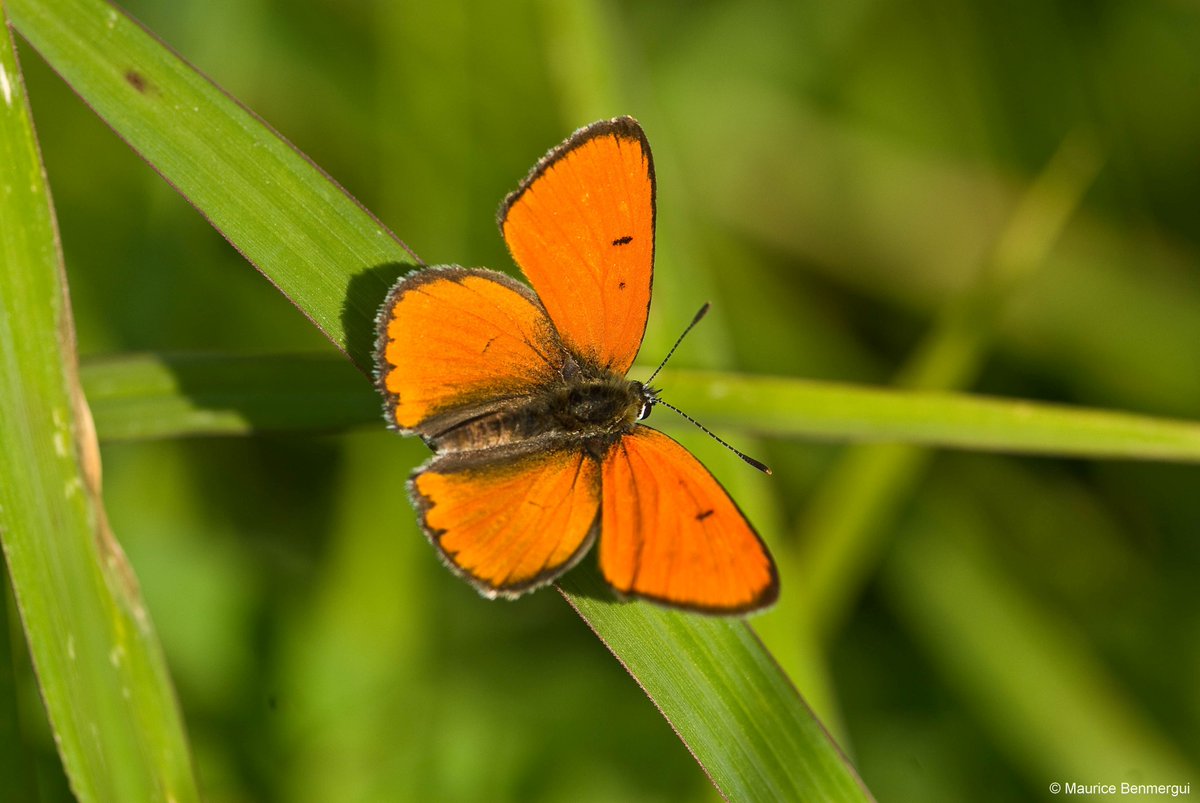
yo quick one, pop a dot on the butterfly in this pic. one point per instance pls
(522, 396)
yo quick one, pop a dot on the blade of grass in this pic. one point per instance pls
(754, 736)
(98, 662)
(165, 396)
(976, 617)
(328, 256)
(315, 243)
(145, 396)
(831, 411)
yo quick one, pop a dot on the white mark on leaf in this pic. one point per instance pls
(5, 86)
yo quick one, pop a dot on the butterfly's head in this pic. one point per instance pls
(648, 397)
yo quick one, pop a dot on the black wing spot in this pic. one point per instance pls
(621, 285)
(137, 80)
(704, 514)
(626, 240)
(488, 344)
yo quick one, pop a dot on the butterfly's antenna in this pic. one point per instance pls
(750, 460)
(655, 400)
(703, 311)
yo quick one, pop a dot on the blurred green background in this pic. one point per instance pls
(836, 178)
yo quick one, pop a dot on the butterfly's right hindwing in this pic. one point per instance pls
(672, 535)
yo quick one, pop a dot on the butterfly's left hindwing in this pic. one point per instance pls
(509, 521)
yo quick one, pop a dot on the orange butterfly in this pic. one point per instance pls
(523, 399)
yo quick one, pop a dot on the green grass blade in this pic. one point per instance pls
(316, 244)
(332, 259)
(754, 735)
(151, 396)
(97, 659)
(165, 396)
(832, 411)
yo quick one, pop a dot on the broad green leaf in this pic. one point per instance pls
(335, 261)
(97, 659)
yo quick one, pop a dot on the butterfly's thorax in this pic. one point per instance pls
(595, 409)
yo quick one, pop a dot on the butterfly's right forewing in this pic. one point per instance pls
(581, 227)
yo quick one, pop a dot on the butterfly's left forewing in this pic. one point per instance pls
(453, 343)
(671, 534)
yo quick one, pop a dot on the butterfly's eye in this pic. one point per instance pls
(648, 396)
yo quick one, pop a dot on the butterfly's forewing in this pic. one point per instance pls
(453, 341)
(511, 523)
(581, 227)
(672, 534)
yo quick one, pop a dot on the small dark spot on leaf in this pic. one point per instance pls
(626, 240)
(704, 514)
(137, 80)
